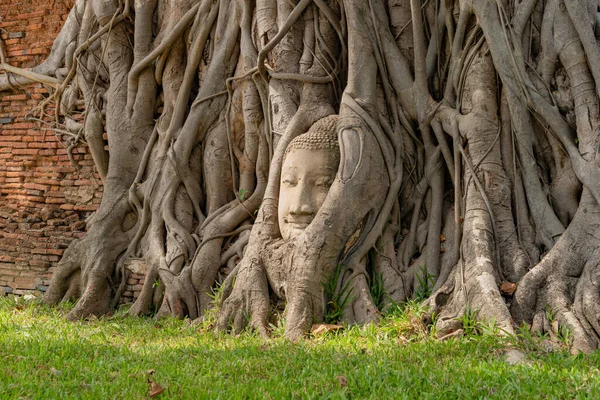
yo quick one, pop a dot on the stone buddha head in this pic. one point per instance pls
(309, 168)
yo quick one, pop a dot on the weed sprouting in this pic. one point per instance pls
(526, 340)
(564, 334)
(210, 315)
(377, 289)
(490, 327)
(216, 294)
(375, 278)
(469, 321)
(425, 281)
(278, 325)
(337, 300)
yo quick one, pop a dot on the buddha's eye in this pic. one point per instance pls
(289, 180)
(324, 181)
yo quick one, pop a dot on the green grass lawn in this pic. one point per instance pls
(44, 356)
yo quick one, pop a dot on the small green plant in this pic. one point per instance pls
(210, 316)
(377, 288)
(66, 306)
(277, 325)
(216, 294)
(242, 194)
(156, 283)
(425, 281)
(406, 321)
(490, 327)
(469, 321)
(376, 279)
(564, 334)
(527, 340)
(393, 309)
(549, 314)
(337, 300)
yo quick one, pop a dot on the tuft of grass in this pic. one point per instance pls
(563, 332)
(337, 299)
(406, 322)
(469, 321)
(426, 282)
(209, 319)
(43, 356)
(377, 288)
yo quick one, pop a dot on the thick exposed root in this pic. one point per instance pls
(360, 307)
(474, 285)
(249, 303)
(67, 273)
(87, 269)
(560, 295)
(386, 272)
(150, 295)
(180, 298)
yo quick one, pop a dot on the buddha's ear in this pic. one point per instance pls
(351, 153)
(352, 144)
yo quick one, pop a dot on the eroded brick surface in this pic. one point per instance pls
(44, 199)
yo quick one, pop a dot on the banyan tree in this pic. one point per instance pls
(333, 158)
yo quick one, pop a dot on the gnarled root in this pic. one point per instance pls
(88, 265)
(249, 301)
(562, 290)
(180, 297)
(360, 307)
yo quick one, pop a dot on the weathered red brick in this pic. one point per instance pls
(36, 223)
(25, 151)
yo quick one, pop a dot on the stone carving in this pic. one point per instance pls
(310, 164)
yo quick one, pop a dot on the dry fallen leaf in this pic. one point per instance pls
(155, 389)
(508, 288)
(343, 381)
(319, 329)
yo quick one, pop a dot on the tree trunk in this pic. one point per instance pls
(467, 134)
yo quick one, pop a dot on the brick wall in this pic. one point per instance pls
(44, 199)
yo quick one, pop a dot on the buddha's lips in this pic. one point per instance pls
(298, 221)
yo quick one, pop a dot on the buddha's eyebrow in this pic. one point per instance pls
(328, 169)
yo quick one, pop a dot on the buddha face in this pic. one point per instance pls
(306, 176)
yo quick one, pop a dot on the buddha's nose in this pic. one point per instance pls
(301, 202)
